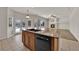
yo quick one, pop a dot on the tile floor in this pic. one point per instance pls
(12, 44)
(67, 41)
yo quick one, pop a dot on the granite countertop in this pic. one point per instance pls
(48, 33)
(51, 33)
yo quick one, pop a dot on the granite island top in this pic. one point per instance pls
(51, 33)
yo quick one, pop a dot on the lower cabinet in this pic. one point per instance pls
(29, 40)
(54, 44)
(26, 40)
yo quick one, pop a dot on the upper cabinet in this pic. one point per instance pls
(29, 23)
(53, 22)
(43, 23)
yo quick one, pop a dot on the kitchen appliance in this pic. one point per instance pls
(43, 43)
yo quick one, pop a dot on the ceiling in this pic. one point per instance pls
(45, 11)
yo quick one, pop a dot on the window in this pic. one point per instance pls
(42, 23)
(29, 23)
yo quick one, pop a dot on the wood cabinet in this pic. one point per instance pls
(31, 41)
(54, 44)
(26, 41)
(28, 38)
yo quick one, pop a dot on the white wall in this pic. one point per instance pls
(63, 23)
(74, 22)
(3, 22)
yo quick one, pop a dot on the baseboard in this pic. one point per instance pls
(11, 36)
(7, 37)
(3, 38)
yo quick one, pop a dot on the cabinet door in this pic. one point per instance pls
(26, 39)
(32, 41)
(54, 44)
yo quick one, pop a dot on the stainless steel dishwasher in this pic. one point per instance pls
(43, 43)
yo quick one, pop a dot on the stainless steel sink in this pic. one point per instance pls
(34, 30)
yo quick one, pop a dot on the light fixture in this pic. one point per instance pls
(52, 16)
(27, 16)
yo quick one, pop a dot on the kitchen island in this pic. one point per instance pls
(30, 41)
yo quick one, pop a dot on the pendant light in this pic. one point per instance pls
(27, 16)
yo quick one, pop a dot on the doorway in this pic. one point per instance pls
(19, 25)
